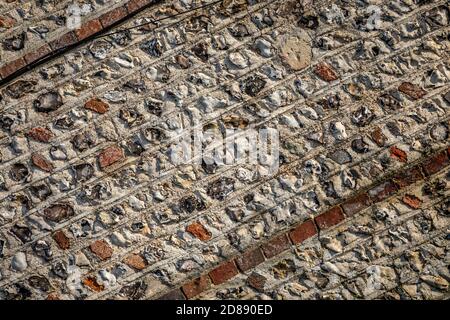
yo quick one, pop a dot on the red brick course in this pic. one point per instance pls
(37, 54)
(64, 41)
(382, 191)
(135, 5)
(250, 259)
(224, 272)
(356, 204)
(113, 16)
(88, 29)
(12, 67)
(302, 232)
(329, 218)
(275, 246)
(196, 286)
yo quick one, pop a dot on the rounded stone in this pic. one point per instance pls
(19, 261)
(295, 50)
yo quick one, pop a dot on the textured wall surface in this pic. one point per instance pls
(91, 207)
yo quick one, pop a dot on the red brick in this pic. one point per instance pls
(275, 246)
(224, 272)
(61, 239)
(329, 218)
(135, 5)
(382, 191)
(97, 105)
(12, 67)
(7, 22)
(436, 163)
(325, 72)
(412, 201)
(88, 29)
(110, 156)
(356, 204)
(302, 232)
(408, 177)
(113, 16)
(135, 261)
(176, 294)
(40, 134)
(412, 90)
(91, 283)
(199, 231)
(41, 162)
(249, 259)
(37, 54)
(102, 249)
(196, 286)
(398, 154)
(64, 41)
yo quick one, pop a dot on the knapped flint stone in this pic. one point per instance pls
(22, 232)
(239, 31)
(19, 172)
(59, 212)
(138, 86)
(14, 43)
(83, 141)
(221, 188)
(122, 38)
(362, 117)
(2, 246)
(359, 146)
(201, 51)
(39, 282)
(191, 204)
(6, 122)
(340, 157)
(59, 268)
(41, 191)
(48, 102)
(20, 88)
(19, 261)
(253, 85)
(134, 291)
(64, 123)
(209, 168)
(152, 47)
(154, 106)
(83, 171)
(389, 102)
(308, 21)
(447, 97)
(43, 249)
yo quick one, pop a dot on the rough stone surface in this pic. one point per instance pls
(93, 207)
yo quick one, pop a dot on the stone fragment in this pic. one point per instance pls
(59, 212)
(134, 291)
(221, 188)
(295, 51)
(362, 117)
(19, 172)
(102, 249)
(41, 191)
(135, 261)
(412, 201)
(40, 283)
(96, 105)
(61, 239)
(84, 141)
(412, 90)
(398, 154)
(199, 231)
(48, 102)
(326, 72)
(20, 88)
(19, 261)
(22, 232)
(91, 283)
(43, 249)
(110, 156)
(7, 22)
(15, 43)
(382, 191)
(341, 156)
(378, 137)
(41, 162)
(40, 134)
